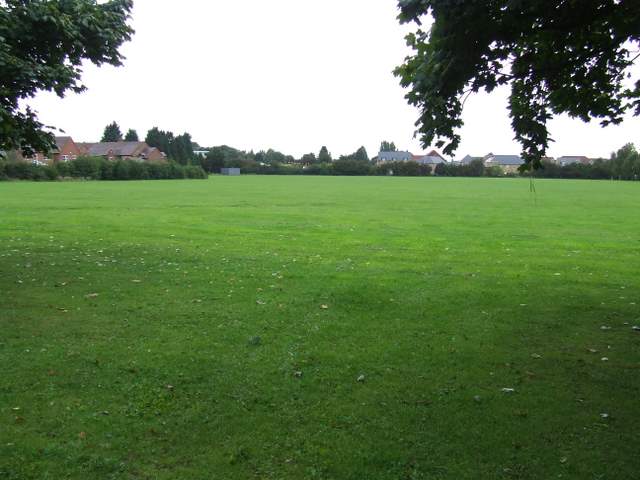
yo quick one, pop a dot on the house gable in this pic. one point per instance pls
(66, 150)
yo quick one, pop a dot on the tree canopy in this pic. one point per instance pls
(388, 146)
(558, 56)
(308, 158)
(359, 155)
(131, 136)
(273, 156)
(178, 148)
(324, 156)
(112, 133)
(42, 47)
(214, 160)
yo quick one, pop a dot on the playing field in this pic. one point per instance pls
(320, 328)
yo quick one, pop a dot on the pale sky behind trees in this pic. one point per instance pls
(292, 75)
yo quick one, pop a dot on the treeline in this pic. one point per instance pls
(599, 169)
(340, 167)
(623, 165)
(98, 168)
(178, 148)
(271, 162)
(476, 168)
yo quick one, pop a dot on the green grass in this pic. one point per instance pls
(206, 353)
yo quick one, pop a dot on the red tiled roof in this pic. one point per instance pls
(434, 153)
(61, 142)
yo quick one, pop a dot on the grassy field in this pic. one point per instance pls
(320, 328)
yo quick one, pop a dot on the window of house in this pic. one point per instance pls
(65, 158)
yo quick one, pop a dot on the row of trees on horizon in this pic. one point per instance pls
(181, 149)
(178, 148)
(624, 164)
(99, 168)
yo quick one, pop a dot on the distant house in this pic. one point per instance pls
(384, 157)
(432, 158)
(138, 151)
(570, 160)
(201, 153)
(508, 163)
(231, 172)
(65, 149)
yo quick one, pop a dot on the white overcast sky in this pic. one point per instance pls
(292, 75)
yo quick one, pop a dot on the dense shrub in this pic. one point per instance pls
(158, 171)
(50, 172)
(402, 169)
(194, 171)
(86, 167)
(106, 170)
(138, 171)
(22, 170)
(317, 169)
(473, 169)
(600, 169)
(63, 169)
(175, 171)
(413, 169)
(350, 167)
(494, 171)
(121, 170)
(96, 168)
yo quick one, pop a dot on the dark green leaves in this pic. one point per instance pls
(559, 56)
(112, 133)
(43, 46)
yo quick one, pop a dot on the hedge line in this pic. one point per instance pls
(598, 170)
(96, 168)
(339, 168)
(356, 167)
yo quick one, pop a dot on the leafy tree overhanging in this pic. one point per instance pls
(558, 56)
(42, 46)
